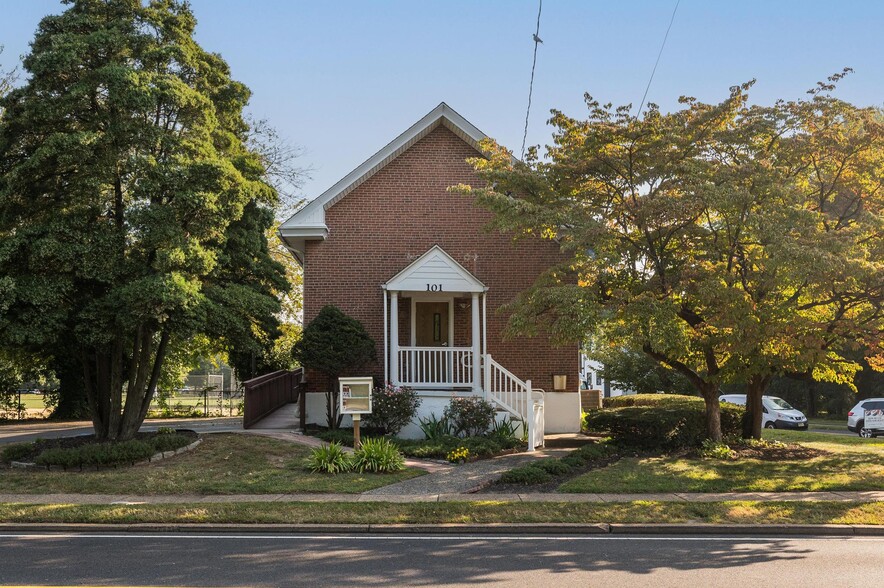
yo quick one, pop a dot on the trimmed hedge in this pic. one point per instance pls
(97, 454)
(660, 421)
(110, 454)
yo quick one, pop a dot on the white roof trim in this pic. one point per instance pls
(435, 271)
(309, 222)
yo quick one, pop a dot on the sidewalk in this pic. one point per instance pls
(877, 496)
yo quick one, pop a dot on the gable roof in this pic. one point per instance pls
(436, 268)
(309, 222)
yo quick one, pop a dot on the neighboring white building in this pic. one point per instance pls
(591, 379)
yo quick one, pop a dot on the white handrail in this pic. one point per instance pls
(517, 397)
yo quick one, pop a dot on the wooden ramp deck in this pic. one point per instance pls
(285, 417)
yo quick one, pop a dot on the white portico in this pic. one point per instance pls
(423, 354)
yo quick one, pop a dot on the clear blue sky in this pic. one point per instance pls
(341, 79)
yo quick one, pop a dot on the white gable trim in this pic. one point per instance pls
(437, 272)
(309, 222)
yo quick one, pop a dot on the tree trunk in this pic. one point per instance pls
(107, 371)
(73, 401)
(755, 389)
(713, 412)
(811, 399)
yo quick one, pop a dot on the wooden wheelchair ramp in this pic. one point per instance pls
(275, 401)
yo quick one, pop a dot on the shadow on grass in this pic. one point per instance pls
(846, 470)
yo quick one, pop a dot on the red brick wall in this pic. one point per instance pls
(396, 216)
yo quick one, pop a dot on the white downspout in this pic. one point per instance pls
(386, 344)
(476, 341)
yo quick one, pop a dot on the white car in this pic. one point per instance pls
(856, 418)
(776, 412)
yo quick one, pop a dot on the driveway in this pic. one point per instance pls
(29, 431)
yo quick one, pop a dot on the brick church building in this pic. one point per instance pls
(392, 247)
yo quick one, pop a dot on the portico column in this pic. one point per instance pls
(394, 338)
(477, 360)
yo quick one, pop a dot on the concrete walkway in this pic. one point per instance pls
(465, 478)
(877, 496)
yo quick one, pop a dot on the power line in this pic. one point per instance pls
(537, 41)
(666, 36)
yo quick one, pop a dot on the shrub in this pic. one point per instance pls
(165, 431)
(716, 450)
(459, 455)
(16, 452)
(481, 446)
(593, 452)
(469, 416)
(328, 459)
(651, 400)
(339, 436)
(526, 475)
(555, 467)
(435, 429)
(426, 449)
(170, 441)
(96, 454)
(574, 461)
(65, 458)
(661, 421)
(378, 455)
(392, 408)
(333, 343)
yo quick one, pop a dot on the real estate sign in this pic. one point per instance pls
(874, 418)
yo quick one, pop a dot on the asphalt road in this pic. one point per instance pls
(610, 561)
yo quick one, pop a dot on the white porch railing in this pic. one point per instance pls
(423, 367)
(516, 397)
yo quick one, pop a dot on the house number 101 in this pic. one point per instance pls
(434, 287)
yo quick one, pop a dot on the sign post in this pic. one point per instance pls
(355, 398)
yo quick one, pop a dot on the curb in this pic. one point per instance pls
(576, 529)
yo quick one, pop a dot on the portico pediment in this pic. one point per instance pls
(435, 271)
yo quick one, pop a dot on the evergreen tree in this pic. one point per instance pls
(126, 194)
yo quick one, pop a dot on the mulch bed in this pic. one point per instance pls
(42, 445)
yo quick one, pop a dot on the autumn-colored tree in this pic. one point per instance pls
(728, 242)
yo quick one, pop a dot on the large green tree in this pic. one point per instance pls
(126, 192)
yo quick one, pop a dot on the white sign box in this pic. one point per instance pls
(355, 395)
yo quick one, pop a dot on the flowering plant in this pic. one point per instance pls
(459, 455)
(393, 407)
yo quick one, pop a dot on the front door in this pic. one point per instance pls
(431, 324)
(431, 366)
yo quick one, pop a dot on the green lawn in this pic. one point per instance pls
(742, 512)
(222, 464)
(852, 464)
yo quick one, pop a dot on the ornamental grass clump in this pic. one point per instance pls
(379, 455)
(329, 459)
(435, 429)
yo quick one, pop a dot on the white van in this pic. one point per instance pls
(776, 412)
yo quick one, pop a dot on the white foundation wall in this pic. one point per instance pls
(561, 409)
(562, 412)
